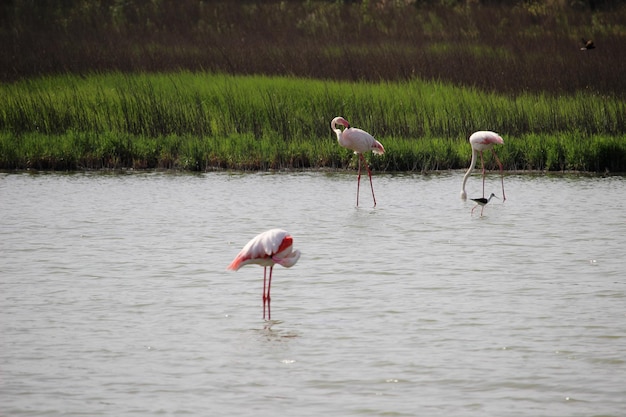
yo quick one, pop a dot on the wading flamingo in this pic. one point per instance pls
(358, 141)
(482, 202)
(481, 141)
(272, 247)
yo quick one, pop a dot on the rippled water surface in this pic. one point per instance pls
(114, 298)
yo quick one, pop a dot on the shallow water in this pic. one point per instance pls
(114, 298)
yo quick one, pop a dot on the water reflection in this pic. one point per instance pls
(272, 332)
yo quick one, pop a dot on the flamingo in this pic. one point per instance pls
(272, 247)
(482, 202)
(358, 141)
(482, 141)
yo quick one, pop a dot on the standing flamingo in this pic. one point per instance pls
(482, 141)
(272, 247)
(358, 141)
(482, 202)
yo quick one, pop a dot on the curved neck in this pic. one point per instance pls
(469, 171)
(337, 131)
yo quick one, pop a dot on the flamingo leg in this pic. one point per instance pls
(482, 164)
(269, 299)
(501, 174)
(264, 296)
(358, 181)
(369, 172)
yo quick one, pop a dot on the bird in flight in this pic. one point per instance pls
(588, 44)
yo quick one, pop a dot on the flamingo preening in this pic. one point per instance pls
(358, 141)
(272, 247)
(481, 141)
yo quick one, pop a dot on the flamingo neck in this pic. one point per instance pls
(333, 126)
(468, 173)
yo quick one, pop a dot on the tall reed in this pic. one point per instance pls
(288, 108)
(201, 121)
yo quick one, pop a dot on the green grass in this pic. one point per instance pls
(200, 121)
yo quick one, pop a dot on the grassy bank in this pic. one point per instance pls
(89, 151)
(200, 121)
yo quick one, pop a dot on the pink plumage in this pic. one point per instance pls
(359, 141)
(272, 247)
(484, 139)
(355, 139)
(480, 141)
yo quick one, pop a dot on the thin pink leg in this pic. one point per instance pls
(264, 294)
(369, 172)
(482, 164)
(501, 174)
(358, 181)
(472, 212)
(269, 299)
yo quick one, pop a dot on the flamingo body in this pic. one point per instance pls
(272, 247)
(484, 140)
(481, 141)
(358, 141)
(355, 139)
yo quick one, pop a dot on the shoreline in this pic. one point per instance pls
(322, 170)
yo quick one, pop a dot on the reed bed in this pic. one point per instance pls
(202, 121)
(88, 151)
(135, 84)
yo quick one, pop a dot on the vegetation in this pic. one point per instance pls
(143, 84)
(200, 121)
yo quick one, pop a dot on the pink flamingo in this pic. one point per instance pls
(272, 247)
(358, 141)
(481, 141)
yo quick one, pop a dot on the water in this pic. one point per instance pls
(114, 298)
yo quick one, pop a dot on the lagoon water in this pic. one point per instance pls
(115, 301)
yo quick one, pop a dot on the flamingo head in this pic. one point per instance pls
(287, 260)
(339, 121)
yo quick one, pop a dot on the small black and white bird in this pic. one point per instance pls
(588, 44)
(482, 202)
